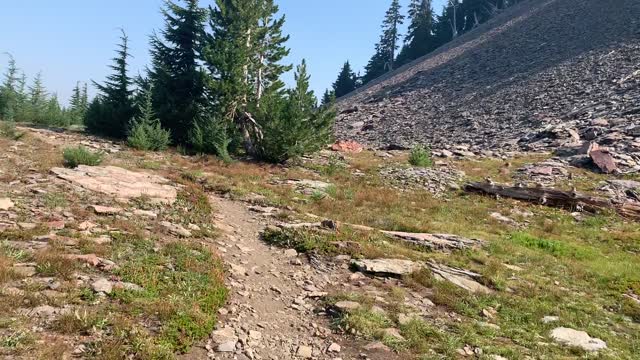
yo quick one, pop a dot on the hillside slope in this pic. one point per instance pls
(540, 63)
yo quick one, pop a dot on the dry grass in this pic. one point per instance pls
(52, 263)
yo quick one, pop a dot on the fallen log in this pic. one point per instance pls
(570, 200)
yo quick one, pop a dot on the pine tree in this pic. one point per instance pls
(37, 102)
(450, 24)
(78, 104)
(419, 39)
(9, 91)
(269, 51)
(477, 12)
(115, 99)
(384, 57)
(346, 81)
(145, 131)
(328, 98)
(242, 56)
(294, 125)
(178, 80)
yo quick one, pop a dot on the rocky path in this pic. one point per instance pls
(274, 301)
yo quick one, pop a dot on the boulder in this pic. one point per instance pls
(6, 204)
(347, 146)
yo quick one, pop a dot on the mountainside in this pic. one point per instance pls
(539, 64)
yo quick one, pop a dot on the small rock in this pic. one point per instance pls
(107, 210)
(304, 352)
(575, 338)
(290, 253)
(176, 229)
(6, 204)
(334, 348)
(102, 285)
(145, 213)
(550, 319)
(347, 305)
(224, 339)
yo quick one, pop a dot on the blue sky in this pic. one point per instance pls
(73, 40)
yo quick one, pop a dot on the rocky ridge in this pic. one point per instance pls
(525, 81)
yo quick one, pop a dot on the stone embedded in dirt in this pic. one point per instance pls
(334, 348)
(24, 270)
(346, 306)
(42, 311)
(550, 319)
(437, 180)
(224, 340)
(128, 286)
(387, 267)
(55, 225)
(575, 338)
(393, 333)
(86, 225)
(377, 346)
(347, 146)
(176, 229)
(120, 183)
(310, 187)
(503, 219)
(145, 213)
(107, 210)
(238, 270)
(462, 278)
(304, 352)
(290, 253)
(27, 226)
(6, 204)
(102, 285)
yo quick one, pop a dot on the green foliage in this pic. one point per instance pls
(8, 130)
(347, 82)
(419, 39)
(292, 125)
(177, 79)
(384, 57)
(211, 136)
(81, 156)
(145, 132)
(420, 156)
(110, 113)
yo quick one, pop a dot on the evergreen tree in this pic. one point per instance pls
(114, 103)
(450, 23)
(420, 39)
(328, 98)
(9, 91)
(347, 81)
(78, 104)
(145, 131)
(242, 56)
(38, 102)
(477, 12)
(384, 57)
(269, 51)
(294, 125)
(178, 81)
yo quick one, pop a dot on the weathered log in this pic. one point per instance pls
(570, 200)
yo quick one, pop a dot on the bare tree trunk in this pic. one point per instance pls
(454, 22)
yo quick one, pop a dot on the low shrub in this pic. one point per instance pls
(420, 156)
(8, 130)
(81, 156)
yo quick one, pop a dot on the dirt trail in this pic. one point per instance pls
(272, 297)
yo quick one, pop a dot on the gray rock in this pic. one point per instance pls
(392, 267)
(6, 204)
(102, 285)
(304, 352)
(575, 338)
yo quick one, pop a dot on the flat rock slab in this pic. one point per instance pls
(120, 183)
(435, 241)
(575, 338)
(386, 267)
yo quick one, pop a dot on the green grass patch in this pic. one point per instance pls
(183, 288)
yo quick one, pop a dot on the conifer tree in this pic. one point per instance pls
(78, 104)
(419, 39)
(294, 125)
(384, 57)
(37, 102)
(328, 98)
(111, 113)
(176, 75)
(450, 23)
(242, 56)
(346, 82)
(9, 91)
(269, 51)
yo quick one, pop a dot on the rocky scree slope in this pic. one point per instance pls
(542, 74)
